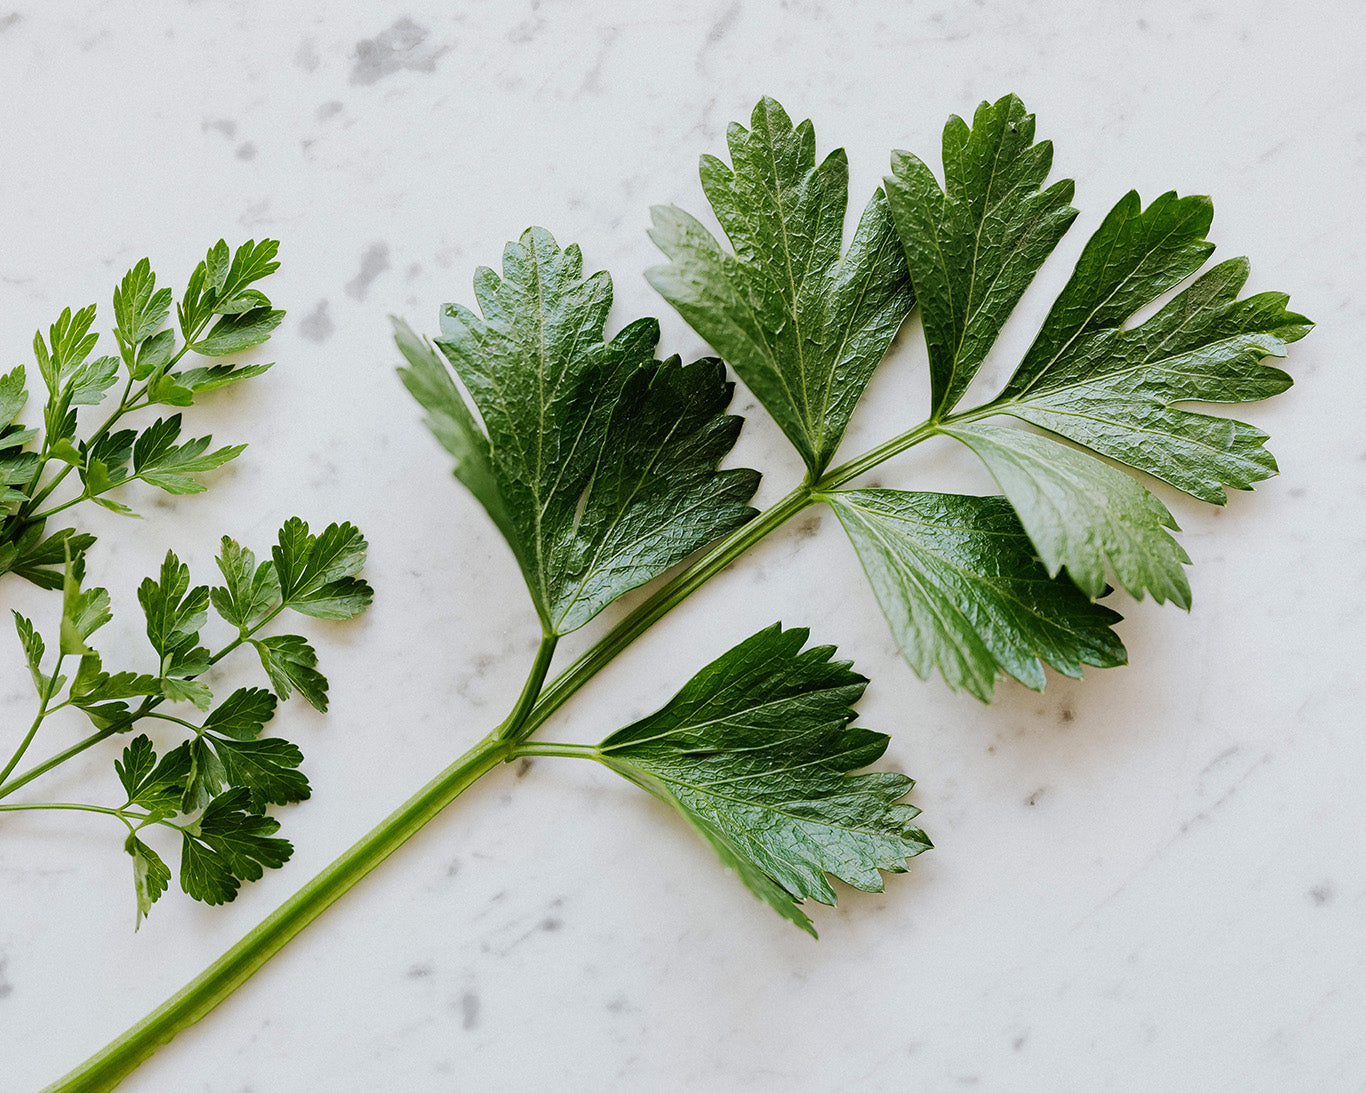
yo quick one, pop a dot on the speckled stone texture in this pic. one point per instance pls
(1151, 879)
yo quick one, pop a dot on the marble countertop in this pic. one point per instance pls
(1150, 879)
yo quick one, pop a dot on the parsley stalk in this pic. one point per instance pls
(599, 465)
(43, 710)
(202, 994)
(509, 741)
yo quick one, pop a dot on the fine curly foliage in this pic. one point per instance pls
(220, 314)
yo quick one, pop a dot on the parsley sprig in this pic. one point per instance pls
(219, 314)
(213, 787)
(599, 464)
(973, 587)
(225, 771)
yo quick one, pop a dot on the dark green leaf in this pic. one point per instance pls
(59, 420)
(229, 753)
(158, 460)
(13, 396)
(71, 343)
(157, 787)
(114, 450)
(207, 776)
(1134, 257)
(155, 441)
(268, 768)
(93, 685)
(139, 308)
(974, 246)
(67, 452)
(803, 327)
(179, 689)
(216, 268)
(251, 262)
(605, 458)
(16, 469)
(156, 352)
(234, 333)
(290, 662)
(215, 282)
(228, 845)
(316, 574)
(1111, 388)
(1083, 514)
(450, 420)
(34, 648)
(151, 876)
(167, 392)
(250, 300)
(756, 752)
(91, 380)
(243, 714)
(964, 593)
(252, 591)
(83, 612)
(138, 760)
(105, 715)
(43, 561)
(340, 599)
(175, 611)
(196, 380)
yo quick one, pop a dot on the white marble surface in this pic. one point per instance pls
(1149, 880)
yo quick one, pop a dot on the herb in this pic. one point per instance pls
(755, 751)
(208, 793)
(598, 463)
(219, 314)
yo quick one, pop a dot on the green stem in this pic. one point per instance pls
(511, 729)
(547, 747)
(174, 720)
(57, 760)
(245, 635)
(23, 744)
(145, 708)
(197, 998)
(67, 807)
(664, 600)
(534, 706)
(37, 721)
(846, 472)
(83, 496)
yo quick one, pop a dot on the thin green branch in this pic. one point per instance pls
(529, 748)
(511, 729)
(67, 806)
(534, 706)
(664, 600)
(196, 729)
(37, 721)
(61, 757)
(124, 724)
(188, 1005)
